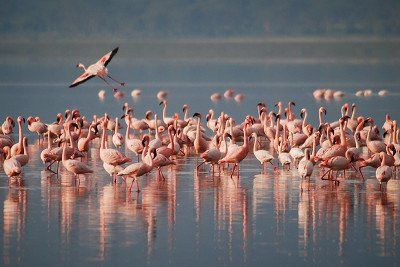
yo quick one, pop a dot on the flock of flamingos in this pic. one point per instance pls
(278, 138)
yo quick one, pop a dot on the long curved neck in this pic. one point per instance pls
(369, 135)
(127, 129)
(48, 140)
(321, 118)
(64, 152)
(314, 147)
(353, 114)
(305, 119)
(103, 136)
(246, 139)
(164, 112)
(156, 126)
(343, 140)
(70, 138)
(198, 127)
(186, 117)
(383, 163)
(116, 126)
(171, 139)
(82, 66)
(255, 143)
(20, 134)
(25, 145)
(357, 141)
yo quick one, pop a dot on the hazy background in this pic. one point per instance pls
(193, 18)
(315, 43)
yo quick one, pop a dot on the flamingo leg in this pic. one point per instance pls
(121, 83)
(322, 177)
(198, 166)
(107, 83)
(137, 185)
(234, 167)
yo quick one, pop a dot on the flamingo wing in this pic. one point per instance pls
(104, 60)
(81, 79)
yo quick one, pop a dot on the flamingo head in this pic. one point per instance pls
(185, 107)
(322, 110)
(21, 119)
(30, 119)
(261, 105)
(11, 120)
(80, 65)
(67, 112)
(208, 117)
(198, 115)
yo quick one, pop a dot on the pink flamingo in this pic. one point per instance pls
(97, 69)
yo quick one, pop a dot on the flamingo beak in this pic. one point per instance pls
(161, 103)
(23, 119)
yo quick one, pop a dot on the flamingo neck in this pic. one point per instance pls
(103, 136)
(343, 140)
(64, 152)
(305, 119)
(255, 143)
(116, 126)
(156, 126)
(127, 129)
(25, 146)
(171, 139)
(48, 140)
(321, 118)
(186, 117)
(20, 134)
(353, 114)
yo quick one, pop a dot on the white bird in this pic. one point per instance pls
(305, 167)
(263, 156)
(97, 69)
(118, 139)
(72, 165)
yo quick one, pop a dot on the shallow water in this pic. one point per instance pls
(194, 218)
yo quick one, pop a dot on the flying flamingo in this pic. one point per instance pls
(97, 69)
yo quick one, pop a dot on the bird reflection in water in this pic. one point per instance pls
(231, 210)
(14, 220)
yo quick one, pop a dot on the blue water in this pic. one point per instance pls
(193, 218)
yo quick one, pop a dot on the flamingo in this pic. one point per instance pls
(200, 144)
(109, 155)
(239, 154)
(18, 148)
(83, 143)
(384, 172)
(97, 69)
(138, 169)
(263, 156)
(74, 166)
(46, 155)
(133, 144)
(11, 165)
(36, 126)
(8, 125)
(305, 167)
(166, 120)
(23, 158)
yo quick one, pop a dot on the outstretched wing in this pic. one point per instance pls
(104, 60)
(81, 79)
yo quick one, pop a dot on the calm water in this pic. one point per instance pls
(193, 218)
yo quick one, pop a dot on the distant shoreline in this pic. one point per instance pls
(210, 40)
